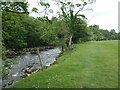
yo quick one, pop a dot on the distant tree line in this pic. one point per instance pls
(97, 34)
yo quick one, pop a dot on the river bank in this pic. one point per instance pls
(89, 65)
(27, 62)
(11, 53)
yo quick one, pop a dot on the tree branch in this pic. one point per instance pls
(79, 10)
(66, 12)
(43, 10)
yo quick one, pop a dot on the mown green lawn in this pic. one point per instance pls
(90, 65)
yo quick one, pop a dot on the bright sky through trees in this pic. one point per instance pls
(104, 14)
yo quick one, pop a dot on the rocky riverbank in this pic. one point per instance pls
(27, 72)
(11, 53)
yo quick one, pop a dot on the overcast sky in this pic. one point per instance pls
(104, 14)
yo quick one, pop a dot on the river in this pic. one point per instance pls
(22, 62)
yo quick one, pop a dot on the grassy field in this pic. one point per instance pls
(90, 65)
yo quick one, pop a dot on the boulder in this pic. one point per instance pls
(24, 75)
(31, 70)
(33, 52)
(10, 53)
(11, 82)
(4, 85)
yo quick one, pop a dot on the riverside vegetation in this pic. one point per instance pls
(69, 26)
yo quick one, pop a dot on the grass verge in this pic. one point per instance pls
(90, 65)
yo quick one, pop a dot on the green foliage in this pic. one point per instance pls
(6, 65)
(13, 30)
(5, 73)
(14, 7)
(22, 30)
(44, 4)
(35, 10)
(3, 52)
(78, 5)
(119, 36)
(100, 34)
(80, 31)
(114, 35)
(70, 17)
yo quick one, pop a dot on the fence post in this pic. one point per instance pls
(39, 59)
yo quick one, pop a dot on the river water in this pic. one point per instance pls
(31, 60)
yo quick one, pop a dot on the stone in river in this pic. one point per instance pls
(11, 82)
(31, 70)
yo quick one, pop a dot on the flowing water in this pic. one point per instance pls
(31, 60)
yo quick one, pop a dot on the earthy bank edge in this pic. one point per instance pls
(11, 53)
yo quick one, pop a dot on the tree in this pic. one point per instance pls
(68, 13)
(15, 7)
(11, 23)
(33, 27)
(119, 36)
(100, 34)
(13, 30)
(95, 33)
(45, 11)
(106, 34)
(70, 16)
(114, 35)
(80, 31)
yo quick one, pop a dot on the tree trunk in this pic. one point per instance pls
(70, 41)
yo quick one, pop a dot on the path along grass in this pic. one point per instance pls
(90, 65)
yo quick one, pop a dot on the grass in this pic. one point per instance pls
(90, 65)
